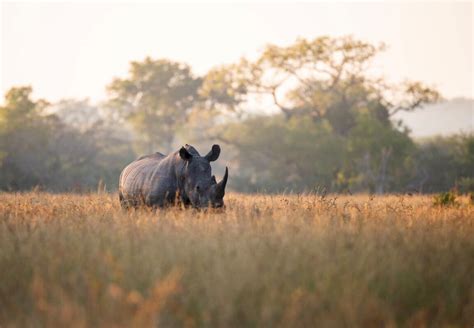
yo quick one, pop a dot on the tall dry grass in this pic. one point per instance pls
(271, 261)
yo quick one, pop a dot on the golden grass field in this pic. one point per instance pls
(265, 261)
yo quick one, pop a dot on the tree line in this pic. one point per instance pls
(304, 117)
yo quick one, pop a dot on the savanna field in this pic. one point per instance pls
(70, 260)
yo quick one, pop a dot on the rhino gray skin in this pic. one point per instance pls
(157, 180)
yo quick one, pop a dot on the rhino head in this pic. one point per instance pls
(200, 186)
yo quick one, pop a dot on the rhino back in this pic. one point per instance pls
(149, 179)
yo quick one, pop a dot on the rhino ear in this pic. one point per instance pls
(214, 153)
(184, 154)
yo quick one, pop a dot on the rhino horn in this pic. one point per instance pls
(220, 188)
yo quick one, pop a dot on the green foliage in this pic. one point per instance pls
(24, 162)
(300, 154)
(445, 162)
(378, 155)
(445, 199)
(38, 149)
(275, 154)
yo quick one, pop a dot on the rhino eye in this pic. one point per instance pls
(198, 188)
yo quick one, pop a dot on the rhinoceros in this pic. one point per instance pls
(184, 176)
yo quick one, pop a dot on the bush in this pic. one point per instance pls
(445, 199)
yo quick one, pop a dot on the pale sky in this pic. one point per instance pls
(73, 50)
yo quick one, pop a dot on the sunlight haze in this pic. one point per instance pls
(72, 50)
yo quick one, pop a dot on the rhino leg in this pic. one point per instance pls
(158, 201)
(128, 202)
(123, 203)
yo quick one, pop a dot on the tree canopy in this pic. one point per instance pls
(155, 99)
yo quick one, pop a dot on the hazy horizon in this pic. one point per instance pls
(73, 50)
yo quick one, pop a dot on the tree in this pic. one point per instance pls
(155, 99)
(50, 147)
(445, 162)
(24, 140)
(325, 80)
(275, 154)
(379, 156)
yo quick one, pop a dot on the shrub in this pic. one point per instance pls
(445, 199)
